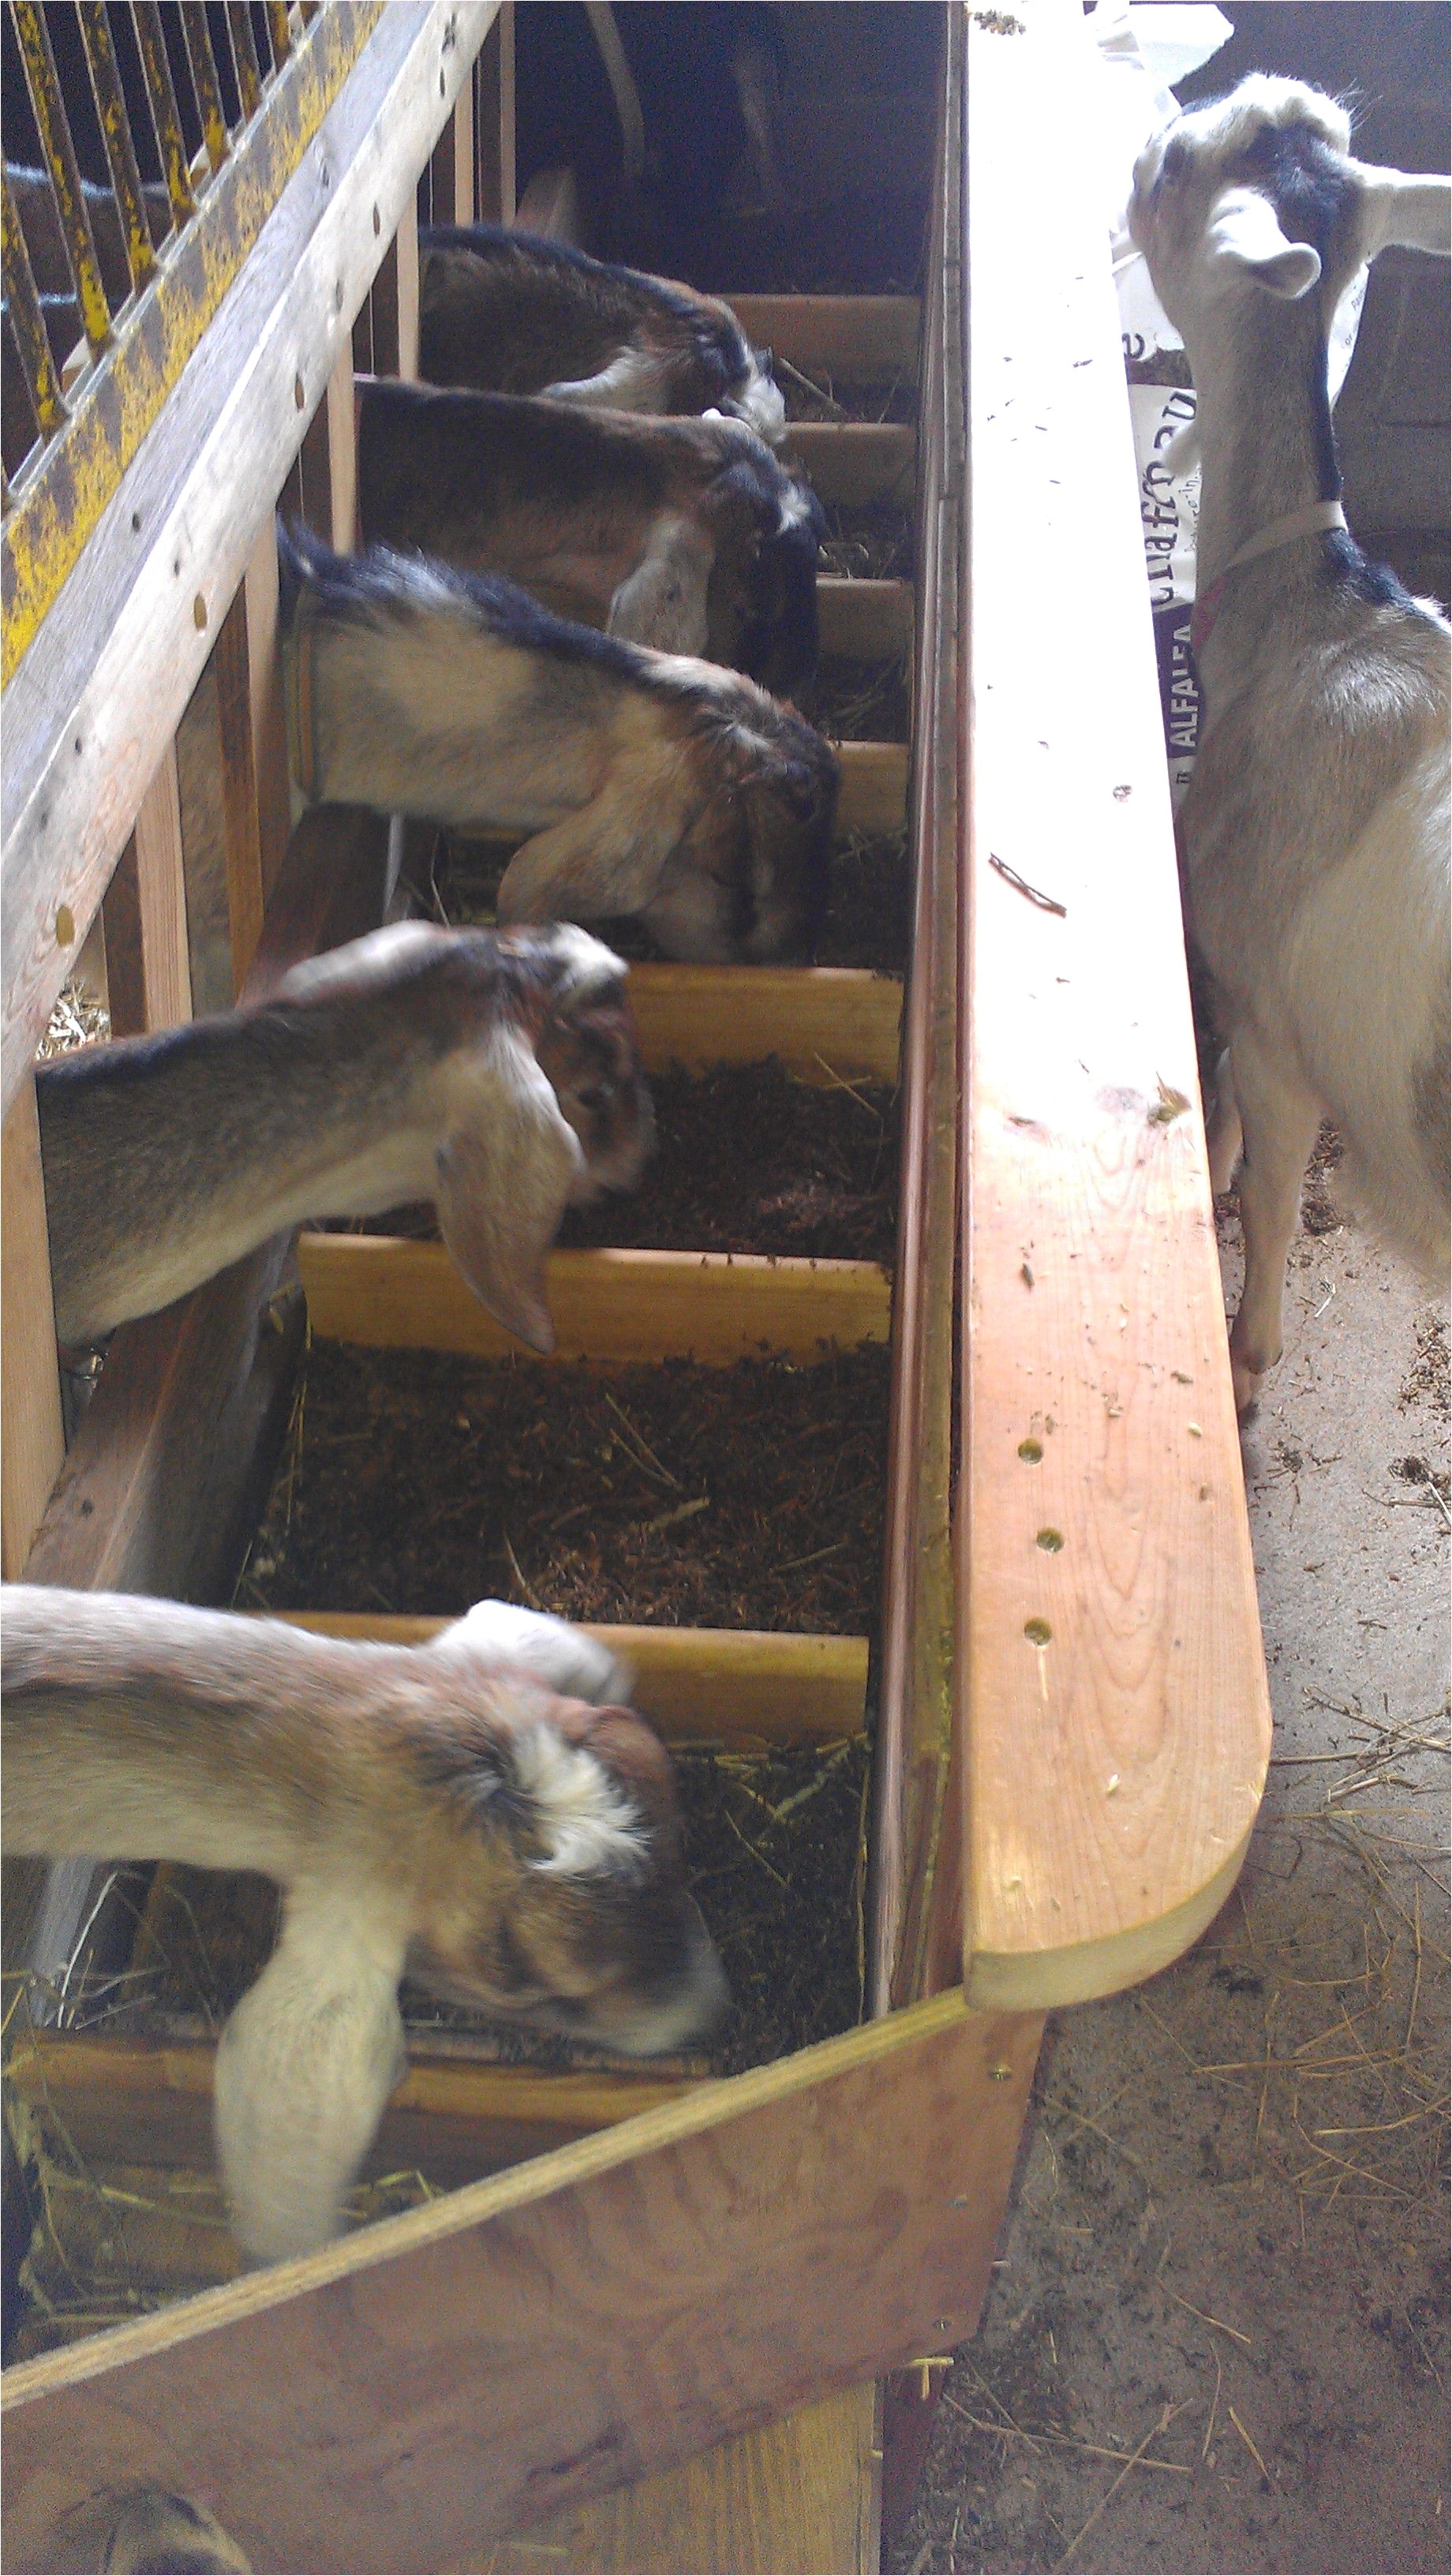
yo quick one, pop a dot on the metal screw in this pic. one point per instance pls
(999, 2074)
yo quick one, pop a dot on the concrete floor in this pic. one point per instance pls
(1228, 2260)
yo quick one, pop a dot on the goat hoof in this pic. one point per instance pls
(1246, 1382)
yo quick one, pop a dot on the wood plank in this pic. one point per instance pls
(391, 1293)
(269, 724)
(739, 1687)
(394, 301)
(468, 2368)
(855, 462)
(221, 840)
(141, 2100)
(858, 339)
(864, 621)
(494, 120)
(874, 786)
(148, 969)
(1110, 1642)
(29, 1380)
(339, 410)
(824, 1023)
(916, 1823)
(118, 654)
(796, 2499)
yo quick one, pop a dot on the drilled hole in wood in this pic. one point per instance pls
(1031, 1451)
(1050, 1540)
(1037, 1631)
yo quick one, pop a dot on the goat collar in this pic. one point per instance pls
(1317, 519)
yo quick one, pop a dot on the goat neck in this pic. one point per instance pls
(1264, 421)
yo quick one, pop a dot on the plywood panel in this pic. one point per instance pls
(824, 1023)
(391, 1293)
(469, 2368)
(1110, 1643)
(727, 1686)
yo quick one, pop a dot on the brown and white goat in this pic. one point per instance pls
(509, 313)
(479, 1813)
(1316, 826)
(495, 1074)
(683, 534)
(647, 783)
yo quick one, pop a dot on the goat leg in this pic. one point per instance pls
(304, 2068)
(1222, 1128)
(1280, 1118)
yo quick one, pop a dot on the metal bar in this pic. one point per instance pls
(151, 45)
(65, 177)
(116, 134)
(204, 77)
(26, 322)
(279, 31)
(244, 56)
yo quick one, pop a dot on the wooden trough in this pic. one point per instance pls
(658, 2320)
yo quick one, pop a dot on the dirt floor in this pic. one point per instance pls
(1218, 2333)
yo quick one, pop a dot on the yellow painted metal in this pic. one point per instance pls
(65, 177)
(27, 323)
(59, 501)
(204, 81)
(146, 16)
(116, 135)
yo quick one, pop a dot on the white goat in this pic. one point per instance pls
(1316, 826)
(469, 1811)
(495, 1074)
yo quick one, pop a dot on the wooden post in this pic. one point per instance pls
(147, 965)
(395, 302)
(342, 450)
(29, 1379)
(269, 724)
(494, 121)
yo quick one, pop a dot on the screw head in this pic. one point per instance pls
(1000, 2074)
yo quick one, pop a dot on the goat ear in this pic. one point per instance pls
(663, 602)
(505, 1173)
(1404, 212)
(1244, 237)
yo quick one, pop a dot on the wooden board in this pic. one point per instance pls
(864, 621)
(1111, 1686)
(855, 462)
(796, 2499)
(737, 1687)
(826, 1024)
(29, 1380)
(466, 2369)
(144, 2101)
(148, 977)
(619, 1307)
(874, 786)
(858, 339)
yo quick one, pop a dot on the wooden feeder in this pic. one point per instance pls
(647, 2321)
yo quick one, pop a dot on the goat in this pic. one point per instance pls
(480, 1813)
(682, 534)
(509, 313)
(1315, 831)
(497, 1075)
(648, 783)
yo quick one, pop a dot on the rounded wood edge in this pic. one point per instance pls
(1085, 1971)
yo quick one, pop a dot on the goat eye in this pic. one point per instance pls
(594, 1096)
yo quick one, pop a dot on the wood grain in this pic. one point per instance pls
(736, 1687)
(391, 1293)
(148, 969)
(469, 2368)
(1110, 1648)
(859, 339)
(824, 1023)
(855, 462)
(117, 657)
(795, 2499)
(29, 1380)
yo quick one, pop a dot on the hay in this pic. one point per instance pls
(79, 1018)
